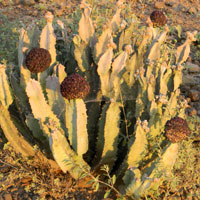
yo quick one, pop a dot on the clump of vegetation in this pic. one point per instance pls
(112, 130)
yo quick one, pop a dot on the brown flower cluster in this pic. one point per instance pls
(176, 129)
(158, 18)
(74, 87)
(38, 60)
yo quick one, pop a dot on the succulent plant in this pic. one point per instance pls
(158, 18)
(176, 129)
(38, 60)
(74, 87)
(134, 92)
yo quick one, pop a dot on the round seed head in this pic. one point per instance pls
(74, 87)
(158, 18)
(176, 129)
(38, 60)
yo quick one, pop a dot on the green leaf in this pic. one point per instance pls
(90, 181)
(179, 30)
(97, 187)
(83, 175)
(107, 194)
(113, 179)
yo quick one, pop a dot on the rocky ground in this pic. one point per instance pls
(16, 180)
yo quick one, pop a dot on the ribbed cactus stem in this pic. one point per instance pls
(150, 69)
(164, 164)
(101, 46)
(111, 133)
(125, 36)
(151, 88)
(103, 70)
(132, 181)
(82, 54)
(24, 44)
(177, 76)
(116, 20)
(59, 71)
(156, 116)
(66, 158)
(117, 66)
(138, 147)
(171, 108)
(55, 99)
(165, 74)
(86, 28)
(154, 50)
(183, 51)
(48, 38)
(5, 91)
(18, 142)
(139, 184)
(76, 124)
(36, 99)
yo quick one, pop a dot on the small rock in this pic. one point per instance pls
(4, 3)
(159, 5)
(16, 2)
(170, 3)
(175, 198)
(196, 62)
(192, 10)
(28, 2)
(189, 58)
(188, 79)
(35, 13)
(192, 112)
(193, 68)
(58, 12)
(191, 80)
(4, 169)
(179, 21)
(7, 197)
(194, 95)
(61, 3)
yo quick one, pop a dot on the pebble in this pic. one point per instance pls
(192, 112)
(28, 2)
(194, 95)
(4, 3)
(35, 13)
(170, 3)
(188, 80)
(16, 2)
(175, 198)
(192, 10)
(193, 68)
(62, 3)
(159, 5)
(58, 12)
(4, 169)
